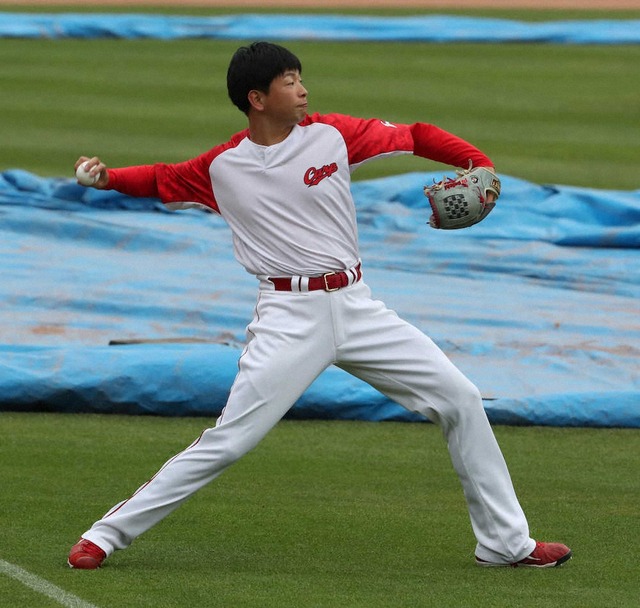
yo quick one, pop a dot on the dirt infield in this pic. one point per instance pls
(319, 4)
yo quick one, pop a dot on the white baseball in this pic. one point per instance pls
(84, 177)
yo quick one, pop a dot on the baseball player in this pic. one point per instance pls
(283, 187)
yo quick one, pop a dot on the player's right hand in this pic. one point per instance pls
(96, 167)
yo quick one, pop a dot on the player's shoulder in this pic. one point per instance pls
(333, 119)
(233, 142)
(348, 127)
(352, 125)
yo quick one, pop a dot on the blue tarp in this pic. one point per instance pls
(538, 304)
(425, 28)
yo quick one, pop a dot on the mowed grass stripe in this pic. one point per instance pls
(547, 113)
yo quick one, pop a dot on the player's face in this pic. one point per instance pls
(286, 101)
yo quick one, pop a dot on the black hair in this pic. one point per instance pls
(254, 67)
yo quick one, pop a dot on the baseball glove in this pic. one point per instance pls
(462, 201)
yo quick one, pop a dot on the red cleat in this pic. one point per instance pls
(545, 555)
(85, 555)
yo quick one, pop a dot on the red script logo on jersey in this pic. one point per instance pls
(314, 176)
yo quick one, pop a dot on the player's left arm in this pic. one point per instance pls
(437, 144)
(368, 139)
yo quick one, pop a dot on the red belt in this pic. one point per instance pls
(330, 281)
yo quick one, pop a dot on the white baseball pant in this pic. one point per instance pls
(295, 336)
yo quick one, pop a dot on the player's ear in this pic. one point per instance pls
(256, 99)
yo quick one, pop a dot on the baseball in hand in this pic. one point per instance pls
(84, 177)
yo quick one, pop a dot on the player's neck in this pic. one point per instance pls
(266, 133)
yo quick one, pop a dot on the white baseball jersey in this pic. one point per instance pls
(289, 205)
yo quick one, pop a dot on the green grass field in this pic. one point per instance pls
(547, 113)
(321, 514)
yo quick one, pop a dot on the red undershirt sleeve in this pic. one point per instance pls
(137, 181)
(186, 182)
(437, 144)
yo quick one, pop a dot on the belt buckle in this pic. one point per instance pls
(326, 285)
